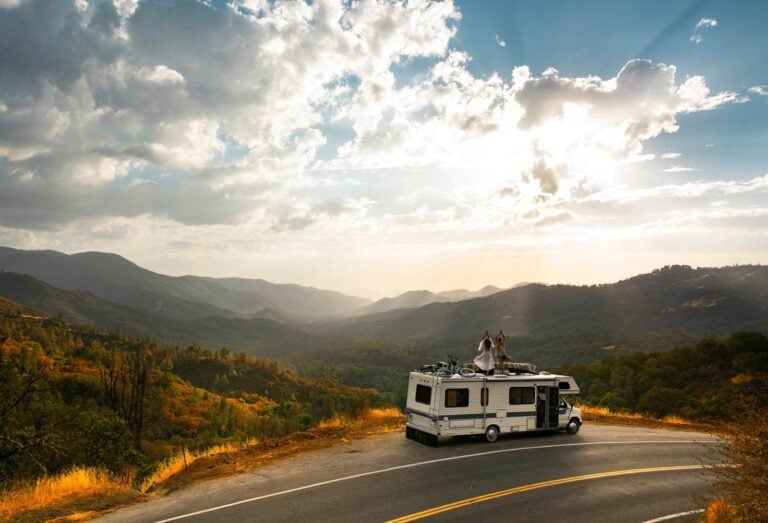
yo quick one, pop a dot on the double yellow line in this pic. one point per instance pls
(525, 488)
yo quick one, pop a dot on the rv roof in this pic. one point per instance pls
(499, 377)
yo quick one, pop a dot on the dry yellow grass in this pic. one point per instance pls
(370, 414)
(389, 412)
(604, 411)
(605, 415)
(83, 493)
(183, 459)
(50, 491)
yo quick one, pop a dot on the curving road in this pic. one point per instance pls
(605, 473)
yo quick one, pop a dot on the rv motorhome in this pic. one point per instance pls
(462, 402)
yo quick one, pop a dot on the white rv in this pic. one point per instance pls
(464, 403)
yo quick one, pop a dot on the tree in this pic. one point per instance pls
(24, 374)
(124, 378)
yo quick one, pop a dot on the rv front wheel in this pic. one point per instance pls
(492, 433)
(573, 426)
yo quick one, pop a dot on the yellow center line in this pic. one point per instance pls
(525, 488)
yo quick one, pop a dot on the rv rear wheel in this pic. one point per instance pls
(492, 433)
(573, 426)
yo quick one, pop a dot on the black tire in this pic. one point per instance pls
(573, 426)
(491, 433)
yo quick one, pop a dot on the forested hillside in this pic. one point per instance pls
(715, 380)
(675, 299)
(72, 395)
(256, 336)
(385, 364)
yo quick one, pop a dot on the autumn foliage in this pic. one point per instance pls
(75, 398)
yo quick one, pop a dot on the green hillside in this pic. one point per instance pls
(715, 380)
(76, 396)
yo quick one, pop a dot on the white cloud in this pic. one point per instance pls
(678, 169)
(718, 188)
(160, 74)
(499, 41)
(670, 156)
(704, 23)
(563, 133)
(761, 90)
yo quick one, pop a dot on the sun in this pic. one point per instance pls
(581, 142)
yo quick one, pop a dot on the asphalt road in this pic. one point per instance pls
(518, 478)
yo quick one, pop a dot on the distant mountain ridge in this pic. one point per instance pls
(258, 316)
(416, 299)
(255, 336)
(121, 281)
(673, 299)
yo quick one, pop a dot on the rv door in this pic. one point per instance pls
(553, 405)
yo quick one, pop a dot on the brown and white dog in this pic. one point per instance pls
(501, 356)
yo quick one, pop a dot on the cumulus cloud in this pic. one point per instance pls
(761, 90)
(499, 41)
(181, 109)
(586, 126)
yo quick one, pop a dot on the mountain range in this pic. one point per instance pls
(275, 320)
(678, 298)
(112, 277)
(254, 335)
(415, 299)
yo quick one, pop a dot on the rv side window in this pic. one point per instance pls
(521, 395)
(456, 397)
(484, 396)
(423, 394)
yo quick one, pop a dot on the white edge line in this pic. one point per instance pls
(673, 516)
(419, 464)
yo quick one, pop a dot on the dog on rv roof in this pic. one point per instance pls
(501, 356)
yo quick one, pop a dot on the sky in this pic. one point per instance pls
(375, 147)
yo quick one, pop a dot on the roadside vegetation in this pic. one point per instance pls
(82, 493)
(740, 489)
(79, 406)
